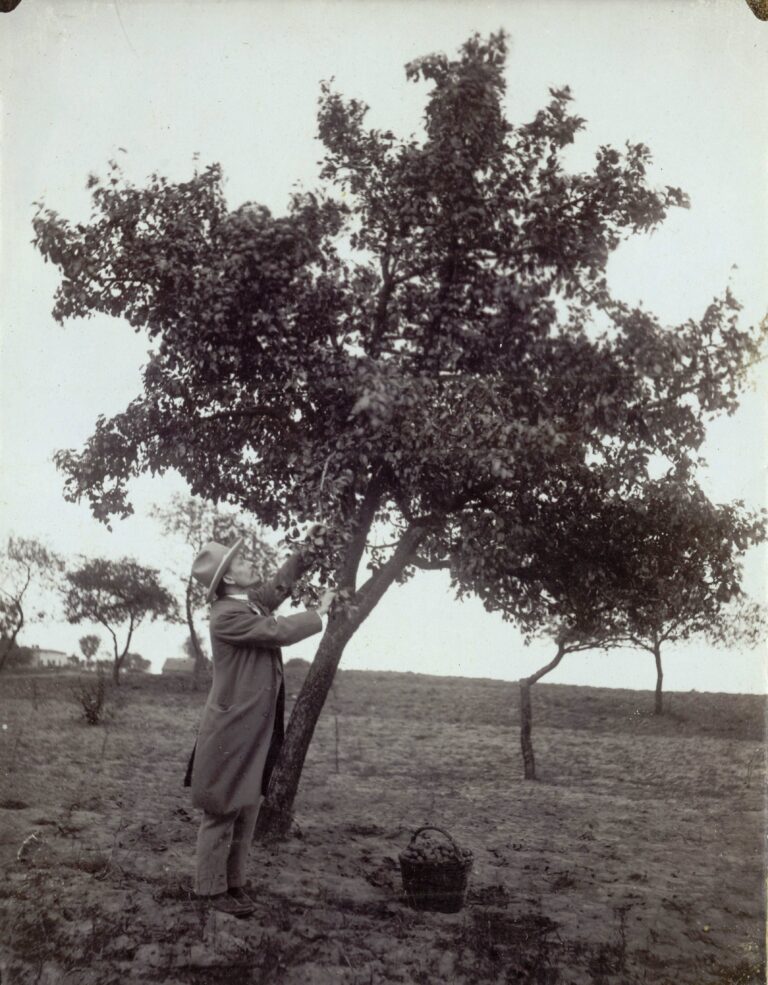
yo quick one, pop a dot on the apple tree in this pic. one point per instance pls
(426, 336)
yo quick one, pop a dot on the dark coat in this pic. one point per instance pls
(242, 723)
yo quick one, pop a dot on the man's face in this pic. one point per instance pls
(239, 573)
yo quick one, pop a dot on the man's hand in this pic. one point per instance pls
(316, 530)
(326, 601)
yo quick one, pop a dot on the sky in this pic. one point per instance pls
(160, 85)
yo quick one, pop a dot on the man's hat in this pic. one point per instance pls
(211, 565)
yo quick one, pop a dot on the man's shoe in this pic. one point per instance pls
(225, 903)
(239, 894)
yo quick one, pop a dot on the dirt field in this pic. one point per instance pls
(635, 858)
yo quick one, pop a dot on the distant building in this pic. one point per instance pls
(178, 665)
(49, 658)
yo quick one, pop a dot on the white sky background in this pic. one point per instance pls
(237, 83)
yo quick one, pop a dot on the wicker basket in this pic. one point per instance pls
(432, 884)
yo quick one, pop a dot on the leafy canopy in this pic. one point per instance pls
(660, 564)
(112, 593)
(427, 337)
(89, 646)
(29, 572)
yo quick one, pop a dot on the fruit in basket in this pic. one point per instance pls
(435, 871)
(426, 849)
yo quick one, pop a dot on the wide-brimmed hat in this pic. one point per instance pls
(211, 565)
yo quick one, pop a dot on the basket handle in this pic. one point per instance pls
(431, 827)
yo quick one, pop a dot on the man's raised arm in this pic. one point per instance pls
(276, 589)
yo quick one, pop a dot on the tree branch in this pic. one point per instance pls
(111, 632)
(368, 507)
(11, 640)
(426, 565)
(380, 314)
(131, 627)
(561, 651)
(371, 592)
(260, 410)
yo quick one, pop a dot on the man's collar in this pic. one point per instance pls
(243, 597)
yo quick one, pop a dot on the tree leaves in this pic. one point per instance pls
(26, 567)
(427, 337)
(106, 591)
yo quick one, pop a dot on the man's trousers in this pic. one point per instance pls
(223, 842)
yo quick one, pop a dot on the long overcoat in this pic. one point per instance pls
(243, 714)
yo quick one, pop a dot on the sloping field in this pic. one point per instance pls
(635, 858)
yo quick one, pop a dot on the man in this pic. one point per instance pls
(242, 723)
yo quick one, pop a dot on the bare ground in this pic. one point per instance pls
(637, 857)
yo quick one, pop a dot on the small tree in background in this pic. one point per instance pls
(569, 637)
(89, 647)
(27, 568)
(684, 572)
(16, 656)
(195, 521)
(589, 570)
(118, 595)
(91, 696)
(554, 575)
(135, 662)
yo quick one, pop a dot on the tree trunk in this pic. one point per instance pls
(11, 641)
(8, 646)
(119, 660)
(275, 815)
(198, 674)
(526, 718)
(529, 764)
(658, 704)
